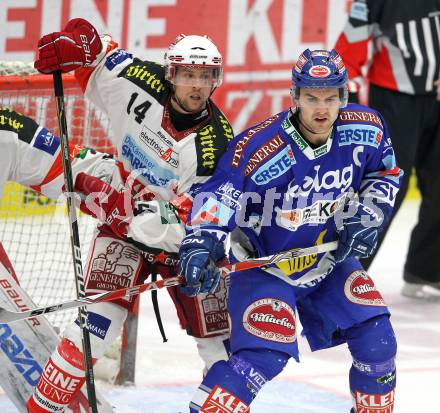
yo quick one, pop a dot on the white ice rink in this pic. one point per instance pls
(167, 374)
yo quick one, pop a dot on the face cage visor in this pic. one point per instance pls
(313, 103)
(195, 75)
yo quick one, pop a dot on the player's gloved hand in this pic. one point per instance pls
(359, 235)
(104, 202)
(76, 46)
(198, 257)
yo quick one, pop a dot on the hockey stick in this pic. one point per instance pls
(7, 316)
(74, 240)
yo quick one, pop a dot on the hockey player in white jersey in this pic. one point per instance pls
(30, 155)
(170, 135)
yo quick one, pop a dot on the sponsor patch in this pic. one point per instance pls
(116, 58)
(221, 401)
(148, 76)
(360, 116)
(229, 195)
(302, 60)
(157, 145)
(317, 213)
(240, 146)
(114, 268)
(64, 382)
(213, 310)
(374, 403)
(362, 135)
(359, 288)
(47, 142)
(212, 212)
(274, 167)
(211, 142)
(262, 153)
(337, 179)
(359, 11)
(149, 169)
(299, 264)
(270, 319)
(319, 71)
(98, 324)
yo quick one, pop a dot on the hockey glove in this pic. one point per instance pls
(359, 235)
(77, 46)
(198, 255)
(104, 202)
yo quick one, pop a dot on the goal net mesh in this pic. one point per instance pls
(34, 230)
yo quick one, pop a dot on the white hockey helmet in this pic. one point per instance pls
(193, 51)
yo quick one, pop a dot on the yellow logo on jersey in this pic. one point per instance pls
(11, 122)
(299, 264)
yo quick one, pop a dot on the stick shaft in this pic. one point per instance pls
(75, 241)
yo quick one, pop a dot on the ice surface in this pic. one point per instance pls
(167, 374)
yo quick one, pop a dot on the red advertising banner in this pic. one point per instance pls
(259, 39)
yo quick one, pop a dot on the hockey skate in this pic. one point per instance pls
(415, 287)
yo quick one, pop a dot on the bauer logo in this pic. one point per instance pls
(270, 319)
(98, 325)
(116, 58)
(47, 142)
(359, 288)
(18, 355)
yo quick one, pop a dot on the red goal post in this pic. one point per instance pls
(33, 229)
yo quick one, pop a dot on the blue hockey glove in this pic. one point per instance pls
(359, 234)
(198, 255)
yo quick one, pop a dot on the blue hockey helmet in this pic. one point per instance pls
(321, 69)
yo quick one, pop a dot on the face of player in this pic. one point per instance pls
(319, 109)
(192, 88)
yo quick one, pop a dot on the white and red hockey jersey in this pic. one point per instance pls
(31, 155)
(134, 94)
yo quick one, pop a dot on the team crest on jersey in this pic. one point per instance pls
(359, 288)
(270, 319)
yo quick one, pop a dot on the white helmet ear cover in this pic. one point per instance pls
(195, 51)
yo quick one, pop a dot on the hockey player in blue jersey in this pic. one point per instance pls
(319, 172)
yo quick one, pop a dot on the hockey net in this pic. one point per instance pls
(33, 229)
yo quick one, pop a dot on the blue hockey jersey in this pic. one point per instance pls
(282, 193)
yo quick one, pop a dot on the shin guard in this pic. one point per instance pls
(373, 373)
